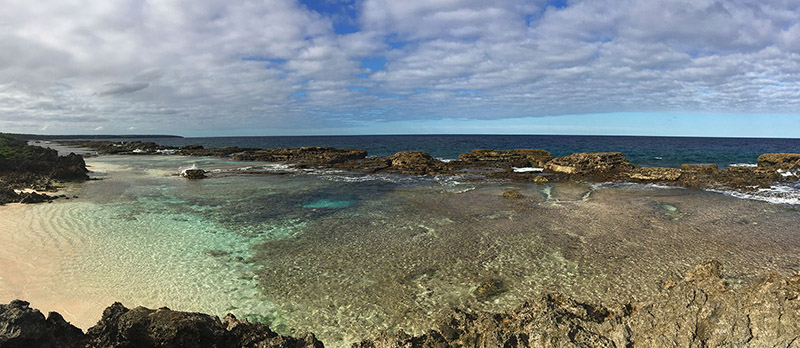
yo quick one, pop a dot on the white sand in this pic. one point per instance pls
(33, 265)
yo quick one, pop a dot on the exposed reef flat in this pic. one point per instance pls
(699, 310)
(495, 164)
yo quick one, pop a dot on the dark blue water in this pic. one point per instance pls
(644, 151)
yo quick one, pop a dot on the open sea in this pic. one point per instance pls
(348, 256)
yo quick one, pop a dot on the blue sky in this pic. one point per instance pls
(275, 67)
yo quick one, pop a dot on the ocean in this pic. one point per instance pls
(348, 256)
(643, 151)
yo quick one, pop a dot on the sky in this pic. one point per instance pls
(281, 67)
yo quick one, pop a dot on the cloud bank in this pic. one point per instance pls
(278, 66)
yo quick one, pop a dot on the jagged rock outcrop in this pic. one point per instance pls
(120, 327)
(415, 163)
(699, 311)
(516, 158)
(24, 167)
(785, 161)
(592, 165)
(314, 155)
(143, 327)
(25, 327)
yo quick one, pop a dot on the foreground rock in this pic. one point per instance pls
(699, 311)
(24, 327)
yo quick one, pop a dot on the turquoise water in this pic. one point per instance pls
(348, 256)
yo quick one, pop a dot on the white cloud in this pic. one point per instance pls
(183, 66)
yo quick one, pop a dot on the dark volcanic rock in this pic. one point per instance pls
(33, 197)
(193, 173)
(594, 165)
(790, 161)
(516, 158)
(36, 168)
(314, 155)
(24, 327)
(415, 163)
(142, 327)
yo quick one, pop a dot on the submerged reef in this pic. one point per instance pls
(25, 169)
(700, 310)
(494, 164)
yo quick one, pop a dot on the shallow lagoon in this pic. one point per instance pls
(346, 256)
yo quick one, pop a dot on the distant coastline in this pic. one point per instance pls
(92, 136)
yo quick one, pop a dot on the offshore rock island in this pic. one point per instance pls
(703, 305)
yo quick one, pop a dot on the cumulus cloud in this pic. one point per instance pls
(280, 64)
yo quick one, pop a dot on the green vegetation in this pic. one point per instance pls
(11, 147)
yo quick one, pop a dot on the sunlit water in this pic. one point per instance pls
(348, 256)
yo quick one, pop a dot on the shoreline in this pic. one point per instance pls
(699, 309)
(98, 303)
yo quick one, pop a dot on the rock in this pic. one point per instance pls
(8, 196)
(24, 327)
(512, 194)
(694, 312)
(785, 161)
(415, 163)
(749, 177)
(699, 175)
(489, 288)
(191, 147)
(314, 155)
(654, 174)
(516, 158)
(193, 173)
(539, 180)
(143, 327)
(369, 164)
(34, 197)
(597, 165)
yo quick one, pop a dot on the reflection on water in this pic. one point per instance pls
(349, 256)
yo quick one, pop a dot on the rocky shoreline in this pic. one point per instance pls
(27, 171)
(702, 309)
(519, 165)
